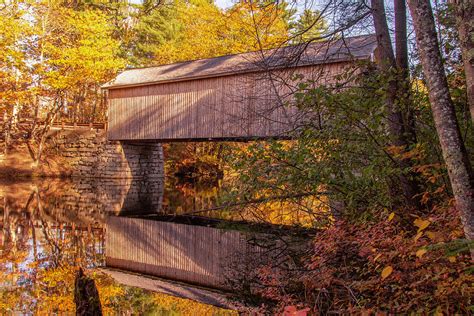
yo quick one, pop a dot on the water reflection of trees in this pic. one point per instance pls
(48, 228)
(204, 180)
(39, 248)
(217, 200)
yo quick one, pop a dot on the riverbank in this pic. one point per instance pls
(18, 163)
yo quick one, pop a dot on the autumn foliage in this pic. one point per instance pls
(384, 267)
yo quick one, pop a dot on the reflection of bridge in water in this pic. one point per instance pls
(50, 225)
(190, 253)
(211, 253)
(94, 212)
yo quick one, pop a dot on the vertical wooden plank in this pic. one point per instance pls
(229, 106)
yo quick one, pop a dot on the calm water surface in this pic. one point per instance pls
(50, 227)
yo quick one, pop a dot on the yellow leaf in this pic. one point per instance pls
(418, 235)
(386, 272)
(452, 259)
(377, 256)
(391, 216)
(421, 252)
(431, 235)
(421, 224)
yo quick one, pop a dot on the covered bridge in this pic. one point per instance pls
(243, 96)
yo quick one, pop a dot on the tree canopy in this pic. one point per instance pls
(56, 54)
(380, 164)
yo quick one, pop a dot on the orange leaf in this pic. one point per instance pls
(439, 190)
(421, 252)
(386, 272)
(425, 197)
(421, 224)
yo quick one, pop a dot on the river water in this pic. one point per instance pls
(50, 227)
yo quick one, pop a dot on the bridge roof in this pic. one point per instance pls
(347, 49)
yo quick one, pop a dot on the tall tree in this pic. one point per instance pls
(79, 53)
(401, 58)
(447, 127)
(309, 26)
(72, 52)
(14, 75)
(464, 12)
(387, 63)
(151, 31)
(204, 30)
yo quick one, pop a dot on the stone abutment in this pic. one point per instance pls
(88, 154)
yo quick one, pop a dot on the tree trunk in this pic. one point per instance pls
(454, 151)
(386, 62)
(397, 130)
(401, 58)
(47, 126)
(86, 296)
(464, 12)
(401, 41)
(6, 132)
(15, 115)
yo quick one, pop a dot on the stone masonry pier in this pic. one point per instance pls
(88, 154)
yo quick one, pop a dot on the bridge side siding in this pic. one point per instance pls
(236, 106)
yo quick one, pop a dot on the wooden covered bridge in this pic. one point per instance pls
(243, 96)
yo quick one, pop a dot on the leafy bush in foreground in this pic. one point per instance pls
(381, 267)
